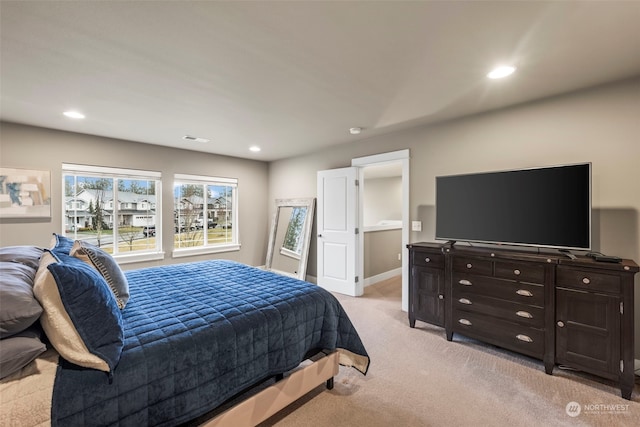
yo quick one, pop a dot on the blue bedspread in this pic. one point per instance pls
(196, 334)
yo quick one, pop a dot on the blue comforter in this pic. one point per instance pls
(196, 334)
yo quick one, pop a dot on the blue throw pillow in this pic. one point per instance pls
(104, 263)
(80, 315)
(61, 244)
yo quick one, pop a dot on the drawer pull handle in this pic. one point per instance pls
(525, 338)
(427, 259)
(516, 272)
(524, 314)
(469, 265)
(586, 281)
(465, 282)
(560, 324)
(464, 322)
(524, 293)
(464, 301)
(440, 296)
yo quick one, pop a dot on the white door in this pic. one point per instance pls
(337, 229)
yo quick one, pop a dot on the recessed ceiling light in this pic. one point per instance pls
(254, 148)
(502, 71)
(73, 115)
(195, 138)
(355, 131)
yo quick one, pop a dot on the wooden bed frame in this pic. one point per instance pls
(286, 390)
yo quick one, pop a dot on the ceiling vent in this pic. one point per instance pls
(195, 138)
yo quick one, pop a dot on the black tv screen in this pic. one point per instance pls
(545, 207)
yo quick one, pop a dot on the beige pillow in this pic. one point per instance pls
(104, 263)
(56, 318)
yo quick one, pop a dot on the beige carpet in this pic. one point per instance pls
(418, 378)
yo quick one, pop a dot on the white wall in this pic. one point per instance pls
(382, 200)
(600, 125)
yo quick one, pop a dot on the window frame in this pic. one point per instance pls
(114, 174)
(206, 181)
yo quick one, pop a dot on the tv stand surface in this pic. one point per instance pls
(568, 253)
(574, 312)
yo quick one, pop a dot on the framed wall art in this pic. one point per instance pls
(25, 193)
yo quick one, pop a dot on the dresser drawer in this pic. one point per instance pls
(523, 293)
(523, 314)
(473, 265)
(505, 334)
(585, 279)
(525, 272)
(428, 259)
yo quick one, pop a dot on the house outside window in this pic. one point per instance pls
(205, 214)
(110, 208)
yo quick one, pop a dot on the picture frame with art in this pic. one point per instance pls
(25, 193)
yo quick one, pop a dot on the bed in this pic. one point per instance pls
(166, 345)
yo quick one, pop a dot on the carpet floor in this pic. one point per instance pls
(418, 378)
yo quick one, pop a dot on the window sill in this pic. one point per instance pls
(128, 259)
(179, 253)
(371, 228)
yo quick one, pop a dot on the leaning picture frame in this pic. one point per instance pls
(25, 193)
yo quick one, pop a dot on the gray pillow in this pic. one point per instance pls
(19, 350)
(27, 255)
(106, 266)
(19, 308)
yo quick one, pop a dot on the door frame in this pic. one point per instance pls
(403, 157)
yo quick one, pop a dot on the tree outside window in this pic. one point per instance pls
(204, 212)
(111, 211)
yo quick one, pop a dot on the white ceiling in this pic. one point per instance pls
(293, 77)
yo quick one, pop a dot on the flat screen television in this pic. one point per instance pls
(541, 207)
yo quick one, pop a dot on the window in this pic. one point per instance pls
(205, 214)
(110, 208)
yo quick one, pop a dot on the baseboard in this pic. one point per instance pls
(369, 280)
(382, 276)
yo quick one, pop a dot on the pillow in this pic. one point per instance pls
(106, 266)
(61, 244)
(19, 350)
(27, 255)
(80, 317)
(18, 307)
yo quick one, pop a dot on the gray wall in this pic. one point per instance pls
(38, 148)
(600, 125)
(381, 249)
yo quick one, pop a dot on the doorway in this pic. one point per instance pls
(388, 164)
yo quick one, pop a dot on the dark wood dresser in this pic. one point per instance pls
(427, 288)
(577, 313)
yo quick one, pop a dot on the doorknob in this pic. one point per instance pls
(319, 235)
